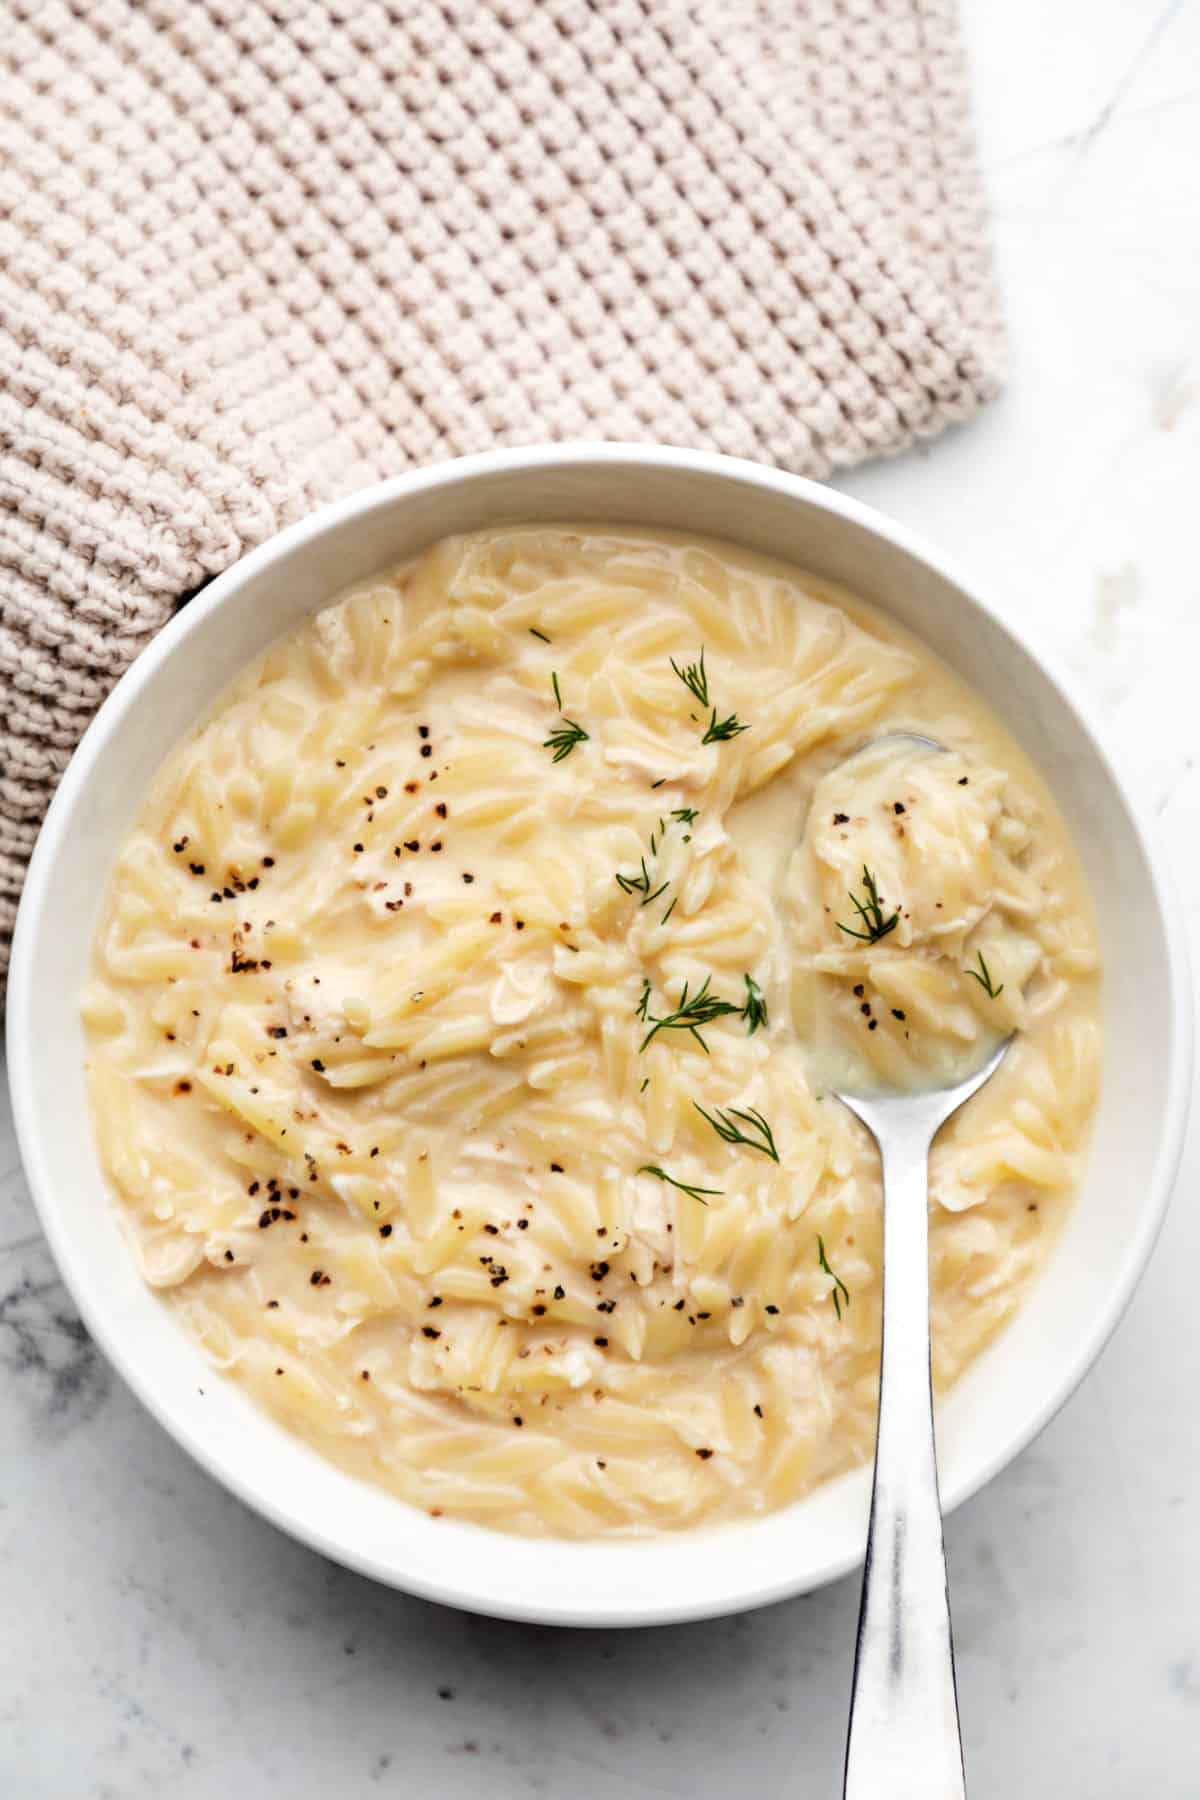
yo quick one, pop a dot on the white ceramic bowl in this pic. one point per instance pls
(1007, 1396)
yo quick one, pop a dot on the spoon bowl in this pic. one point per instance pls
(922, 1112)
(899, 737)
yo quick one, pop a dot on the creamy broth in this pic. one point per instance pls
(466, 995)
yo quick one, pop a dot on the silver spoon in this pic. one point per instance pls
(904, 1741)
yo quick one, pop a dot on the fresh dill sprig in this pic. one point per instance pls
(870, 913)
(694, 678)
(685, 814)
(719, 732)
(700, 1009)
(534, 632)
(564, 740)
(724, 1126)
(644, 1085)
(839, 1291)
(644, 1003)
(643, 884)
(685, 1187)
(984, 978)
(557, 695)
(755, 1010)
(669, 910)
(640, 884)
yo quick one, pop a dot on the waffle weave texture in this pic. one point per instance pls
(252, 257)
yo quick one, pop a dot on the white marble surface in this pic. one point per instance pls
(156, 1638)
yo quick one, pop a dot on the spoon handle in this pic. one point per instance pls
(904, 1741)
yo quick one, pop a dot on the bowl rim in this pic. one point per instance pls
(22, 1004)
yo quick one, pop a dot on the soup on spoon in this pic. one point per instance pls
(915, 971)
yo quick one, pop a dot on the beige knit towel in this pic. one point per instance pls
(252, 256)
